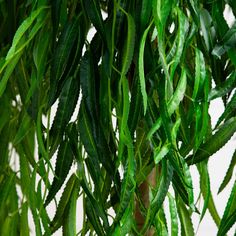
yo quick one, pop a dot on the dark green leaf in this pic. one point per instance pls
(63, 165)
(229, 173)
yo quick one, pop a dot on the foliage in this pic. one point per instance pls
(144, 83)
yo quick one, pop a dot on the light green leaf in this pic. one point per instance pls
(173, 216)
(160, 153)
(141, 68)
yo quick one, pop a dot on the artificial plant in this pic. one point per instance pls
(143, 84)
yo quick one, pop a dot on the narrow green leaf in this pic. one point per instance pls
(204, 185)
(174, 102)
(61, 56)
(229, 173)
(93, 218)
(24, 224)
(40, 52)
(5, 188)
(181, 37)
(229, 110)
(200, 73)
(206, 23)
(67, 103)
(25, 126)
(87, 137)
(178, 94)
(206, 193)
(224, 88)
(63, 165)
(69, 226)
(21, 31)
(129, 46)
(158, 199)
(161, 11)
(214, 143)
(185, 219)
(64, 200)
(227, 42)
(160, 153)
(173, 216)
(229, 216)
(125, 224)
(8, 72)
(93, 10)
(141, 67)
(188, 182)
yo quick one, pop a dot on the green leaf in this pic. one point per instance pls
(224, 88)
(93, 10)
(173, 103)
(7, 73)
(229, 173)
(24, 128)
(40, 52)
(188, 182)
(161, 11)
(229, 216)
(87, 137)
(5, 188)
(185, 219)
(64, 200)
(69, 226)
(214, 143)
(67, 103)
(181, 37)
(206, 23)
(158, 199)
(63, 165)
(125, 224)
(204, 186)
(129, 46)
(200, 73)
(206, 193)
(21, 31)
(61, 56)
(141, 67)
(229, 110)
(93, 218)
(24, 224)
(160, 153)
(173, 216)
(228, 42)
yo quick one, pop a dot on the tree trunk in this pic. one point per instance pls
(144, 190)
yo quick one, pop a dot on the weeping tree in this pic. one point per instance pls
(142, 84)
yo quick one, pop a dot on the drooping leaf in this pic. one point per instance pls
(64, 200)
(214, 143)
(229, 216)
(160, 153)
(224, 88)
(159, 197)
(229, 109)
(229, 173)
(61, 56)
(173, 103)
(129, 46)
(67, 103)
(206, 193)
(185, 219)
(141, 68)
(63, 165)
(174, 216)
(69, 226)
